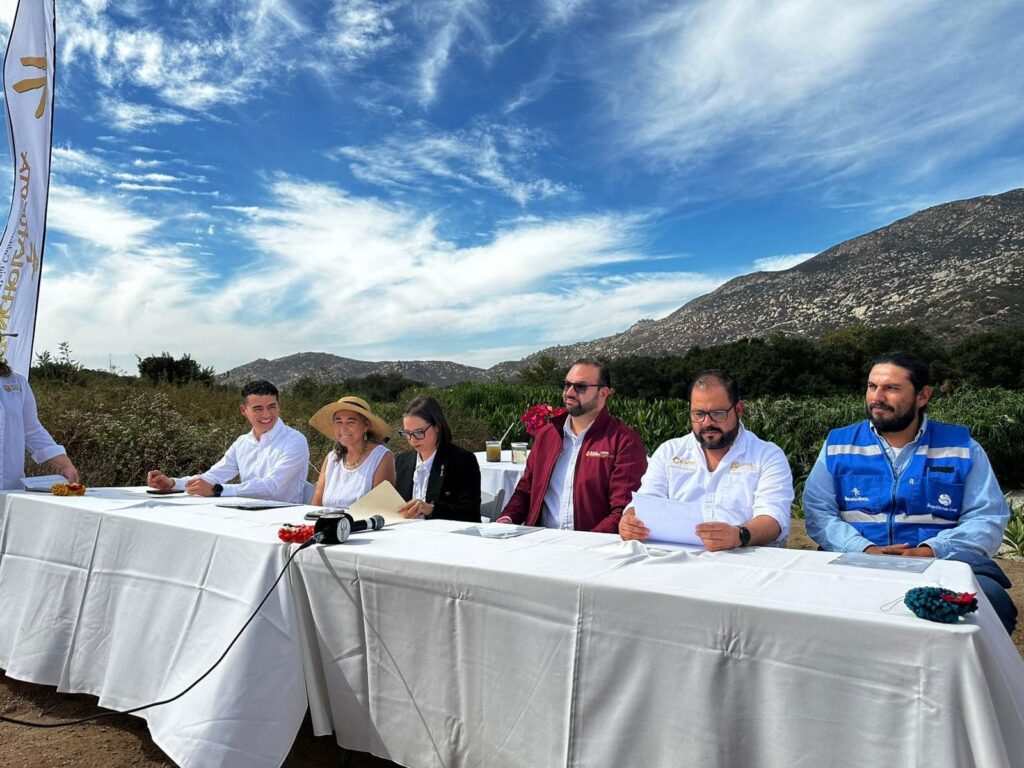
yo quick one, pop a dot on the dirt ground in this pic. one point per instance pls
(123, 741)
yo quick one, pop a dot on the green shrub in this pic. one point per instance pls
(1013, 537)
(117, 429)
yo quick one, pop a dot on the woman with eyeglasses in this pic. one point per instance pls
(437, 478)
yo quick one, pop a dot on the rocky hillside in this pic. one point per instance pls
(953, 270)
(285, 371)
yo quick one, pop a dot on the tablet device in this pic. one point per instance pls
(258, 505)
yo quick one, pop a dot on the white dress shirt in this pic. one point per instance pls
(273, 467)
(559, 507)
(20, 429)
(753, 478)
(421, 475)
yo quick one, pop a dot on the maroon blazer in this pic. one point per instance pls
(611, 462)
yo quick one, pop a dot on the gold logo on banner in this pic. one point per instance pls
(32, 83)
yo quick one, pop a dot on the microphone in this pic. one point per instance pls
(332, 528)
(374, 523)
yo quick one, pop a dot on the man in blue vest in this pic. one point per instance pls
(901, 484)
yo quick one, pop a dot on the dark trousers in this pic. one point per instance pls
(993, 583)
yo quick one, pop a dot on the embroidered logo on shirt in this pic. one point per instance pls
(680, 463)
(857, 497)
(12, 387)
(743, 466)
(945, 503)
(599, 454)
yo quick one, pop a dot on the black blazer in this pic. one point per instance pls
(453, 486)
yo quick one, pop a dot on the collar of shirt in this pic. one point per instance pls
(900, 456)
(268, 436)
(736, 450)
(423, 466)
(421, 476)
(567, 430)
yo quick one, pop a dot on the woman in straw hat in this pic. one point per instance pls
(359, 461)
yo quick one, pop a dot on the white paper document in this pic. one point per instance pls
(670, 521)
(41, 483)
(884, 562)
(383, 500)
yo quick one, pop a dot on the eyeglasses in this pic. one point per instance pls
(419, 434)
(579, 386)
(718, 415)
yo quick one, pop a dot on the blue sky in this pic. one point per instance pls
(473, 181)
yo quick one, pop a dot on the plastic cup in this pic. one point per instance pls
(519, 453)
(493, 450)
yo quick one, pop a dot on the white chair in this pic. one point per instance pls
(491, 506)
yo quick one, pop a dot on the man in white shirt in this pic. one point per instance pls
(270, 461)
(743, 483)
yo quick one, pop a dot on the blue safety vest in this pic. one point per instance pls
(926, 498)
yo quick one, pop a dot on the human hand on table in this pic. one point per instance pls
(631, 527)
(65, 468)
(414, 508)
(718, 536)
(922, 551)
(160, 481)
(198, 487)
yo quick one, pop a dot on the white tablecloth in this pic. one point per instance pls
(132, 603)
(495, 475)
(562, 648)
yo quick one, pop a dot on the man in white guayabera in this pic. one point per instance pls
(270, 460)
(742, 483)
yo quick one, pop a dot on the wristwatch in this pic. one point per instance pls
(218, 489)
(744, 535)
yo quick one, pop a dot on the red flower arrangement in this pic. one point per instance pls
(295, 534)
(537, 416)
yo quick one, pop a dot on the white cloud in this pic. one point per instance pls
(536, 281)
(792, 85)
(483, 156)
(561, 11)
(69, 160)
(207, 62)
(781, 262)
(97, 219)
(443, 24)
(359, 29)
(128, 117)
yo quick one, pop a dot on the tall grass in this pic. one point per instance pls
(116, 430)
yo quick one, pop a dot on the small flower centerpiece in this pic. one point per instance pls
(537, 416)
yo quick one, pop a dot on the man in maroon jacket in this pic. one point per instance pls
(584, 465)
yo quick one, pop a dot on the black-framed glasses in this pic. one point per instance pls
(718, 415)
(579, 386)
(419, 434)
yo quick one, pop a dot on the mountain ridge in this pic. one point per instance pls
(952, 269)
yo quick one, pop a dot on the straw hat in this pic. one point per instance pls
(322, 419)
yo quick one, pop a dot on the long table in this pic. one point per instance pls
(434, 648)
(130, 598)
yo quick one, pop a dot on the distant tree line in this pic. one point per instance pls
(834, 364)
(374, 387)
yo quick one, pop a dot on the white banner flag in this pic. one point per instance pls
(28, 97)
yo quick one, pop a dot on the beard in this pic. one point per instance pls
(581, 407)
(887, 420)
(714, 439)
